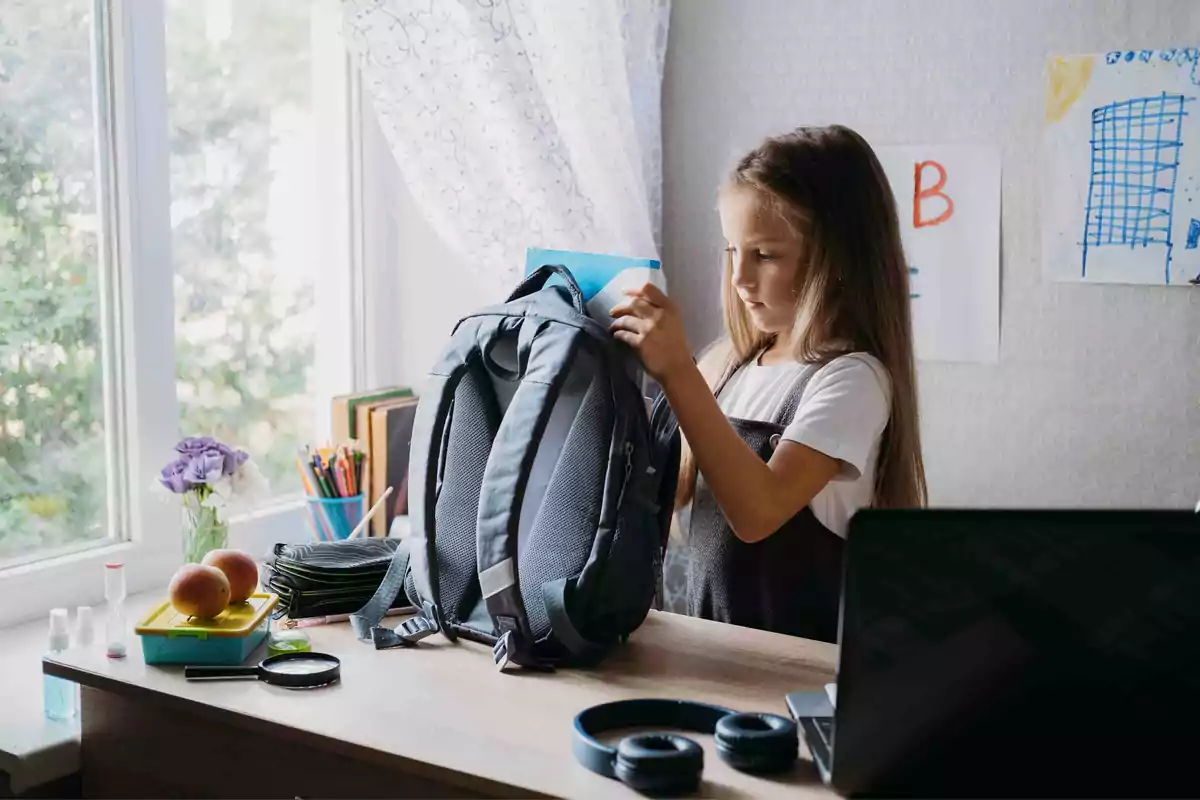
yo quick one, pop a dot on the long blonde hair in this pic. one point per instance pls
(852, 290)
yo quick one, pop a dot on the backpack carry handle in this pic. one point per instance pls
(537, 279)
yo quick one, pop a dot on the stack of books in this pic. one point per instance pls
(381, 421)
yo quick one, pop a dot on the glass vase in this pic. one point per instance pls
(202, 531)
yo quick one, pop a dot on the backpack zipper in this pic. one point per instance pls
(627, 449)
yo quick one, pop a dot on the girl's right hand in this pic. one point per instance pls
(651, 324)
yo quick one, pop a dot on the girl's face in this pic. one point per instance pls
(765, 254)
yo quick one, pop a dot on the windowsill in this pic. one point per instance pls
(33, 749)
(30, 590)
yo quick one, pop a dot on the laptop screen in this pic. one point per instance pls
(1009, 651)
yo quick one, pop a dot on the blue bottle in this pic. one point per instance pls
(59, 696)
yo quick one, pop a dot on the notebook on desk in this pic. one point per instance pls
(1014, 653)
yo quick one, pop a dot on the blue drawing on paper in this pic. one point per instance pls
(1179, 55)
(1193, 239)
(911, 294)
(1134, 166)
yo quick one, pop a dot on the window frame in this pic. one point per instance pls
(136, 271)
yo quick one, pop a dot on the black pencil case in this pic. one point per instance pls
(324, 578)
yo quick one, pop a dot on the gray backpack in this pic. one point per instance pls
(540, 502)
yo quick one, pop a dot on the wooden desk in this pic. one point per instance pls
(434, 721)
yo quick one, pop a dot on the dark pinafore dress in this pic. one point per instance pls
(789, 582)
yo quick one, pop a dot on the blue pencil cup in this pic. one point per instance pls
(335, 518)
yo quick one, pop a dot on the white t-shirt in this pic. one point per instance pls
(842, 414)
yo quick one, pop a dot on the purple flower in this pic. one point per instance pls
(173, 476)
(232, 459)
(202, 460)
(194, 445)
(205, 467)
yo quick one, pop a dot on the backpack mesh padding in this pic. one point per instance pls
(472, 423)
(628, 581)
(561, 538)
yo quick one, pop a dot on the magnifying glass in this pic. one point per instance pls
(292, 670)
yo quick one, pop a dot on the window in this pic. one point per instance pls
(244, 225)
(53, 458)
(177, 256)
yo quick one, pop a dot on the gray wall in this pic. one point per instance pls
(1096, 397)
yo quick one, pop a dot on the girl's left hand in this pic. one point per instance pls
(649, 322)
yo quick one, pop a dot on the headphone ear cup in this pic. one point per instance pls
(757, 742)
(659, 763)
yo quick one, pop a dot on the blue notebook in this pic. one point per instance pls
(603, 278)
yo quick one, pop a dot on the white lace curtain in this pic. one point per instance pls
(520, 123)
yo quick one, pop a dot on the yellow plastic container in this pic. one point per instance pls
(169, 637)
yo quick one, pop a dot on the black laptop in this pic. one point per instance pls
(1015, 653)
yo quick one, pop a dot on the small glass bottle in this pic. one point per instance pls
(59, 695)
(85, 627)
(85, 637)
(114, 596)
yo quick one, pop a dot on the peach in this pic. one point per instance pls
(199, 591)
(239, 568)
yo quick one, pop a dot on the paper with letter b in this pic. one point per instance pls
(948, 203)
(603, 278)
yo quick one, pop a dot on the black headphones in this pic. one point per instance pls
(663, 763)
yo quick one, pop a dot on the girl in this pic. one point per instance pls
(806, 410)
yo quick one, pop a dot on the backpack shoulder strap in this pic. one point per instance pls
(556, 595)
(365, 621)
(543, 355)
(559, 596)
(419, 558)
(417, 554)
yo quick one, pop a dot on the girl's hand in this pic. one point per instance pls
(649, 322)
